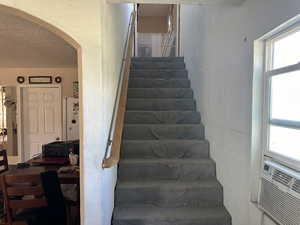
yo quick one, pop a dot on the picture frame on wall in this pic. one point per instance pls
(40, 79)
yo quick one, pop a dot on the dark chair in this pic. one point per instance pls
(3, 161)
(3, 168)
(23, 193)
(33, 199)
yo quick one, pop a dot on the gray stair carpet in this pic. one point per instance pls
(165, 175)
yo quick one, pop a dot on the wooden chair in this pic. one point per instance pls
(3, 168)
(22, 192)
(3, 161)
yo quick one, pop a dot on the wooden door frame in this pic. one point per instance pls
(178, 51)
(20, 133)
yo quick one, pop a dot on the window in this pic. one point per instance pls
(282, 85)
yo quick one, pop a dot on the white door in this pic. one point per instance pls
(41, 115)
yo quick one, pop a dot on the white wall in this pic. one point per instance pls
(217, 42)
(96, 29)
(114, 29)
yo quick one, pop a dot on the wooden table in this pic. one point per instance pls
(65, 178)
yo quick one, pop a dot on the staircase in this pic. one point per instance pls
(165, 175)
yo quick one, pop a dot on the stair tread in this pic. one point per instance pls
(169, 82)
(161, 104)
(159, 88)
(160, 58)
(161, 99)
(171, 149)
(170, 184)
(160, 213)
(163, 125)
(167, 140)
(161, 79)
(157, 111)
(157, 93)
(168, 161)
(157, 69)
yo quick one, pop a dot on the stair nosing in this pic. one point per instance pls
(162, 99)
(163, 124)
(167, 140)
(133, 88)
(157, 69)
(155, 78)
(143, 110)
(162, 111)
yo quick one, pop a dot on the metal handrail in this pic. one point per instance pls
(170, 35)
(167, 44)
(110, 161)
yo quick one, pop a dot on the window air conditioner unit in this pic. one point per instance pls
(280, 193)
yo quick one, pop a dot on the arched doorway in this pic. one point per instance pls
(40, 67)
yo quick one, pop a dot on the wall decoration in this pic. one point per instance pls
(20, 79)
(58, 79)
(40, 80)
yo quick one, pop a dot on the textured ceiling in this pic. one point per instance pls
(25, 44)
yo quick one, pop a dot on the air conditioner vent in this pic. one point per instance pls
(282, 178)
(296, 186)
(283, 206)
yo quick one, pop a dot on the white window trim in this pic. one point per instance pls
(259, 96)
(267, 121)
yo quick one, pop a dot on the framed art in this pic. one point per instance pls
(40, 80)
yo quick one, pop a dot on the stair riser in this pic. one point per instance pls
(167, 150)
(161, 104)
(157, 117)
(157, 59)
(135, 132)
(158, 65)
(160, 93)
(163, 74)
(158, 83)
(157, 170)
(170, 197)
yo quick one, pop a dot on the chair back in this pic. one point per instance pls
(3, 161)
(22, 192)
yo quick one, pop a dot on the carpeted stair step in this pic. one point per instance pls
(162, 117)
(160, 93)
(166, 169)
(157, 65)
(199, 194)
(163, 74)
(169, 149)
(167, 104)
(158, 83)
(165, 174)
(157, 59)
(163, 132)
(153, 215)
